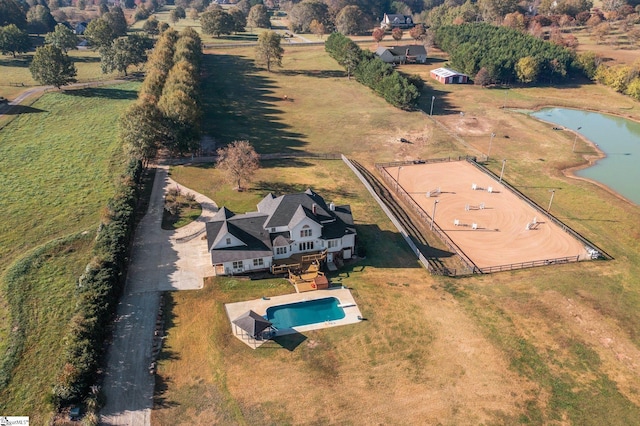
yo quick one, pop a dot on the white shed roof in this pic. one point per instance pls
(445, 72)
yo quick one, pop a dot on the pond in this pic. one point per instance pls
(617, 137)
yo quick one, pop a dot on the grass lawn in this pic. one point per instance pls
(59, 165)
(179, 210)
(324, 112)
(539, 346)
(46, 294)
(249, 36)
(17, 71)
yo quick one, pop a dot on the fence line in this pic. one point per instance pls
(390, 215)
(471, 267)
(530, 264)
(548, 215)
(421, 161)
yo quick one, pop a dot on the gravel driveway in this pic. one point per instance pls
(160, 261)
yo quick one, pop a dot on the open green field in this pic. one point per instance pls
(324, 112)
(248, 36)
(59, 162)
(16, 77)
(553, 345)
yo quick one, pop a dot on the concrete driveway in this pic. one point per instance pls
(160, 261)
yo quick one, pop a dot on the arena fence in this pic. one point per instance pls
(425, 263)
(598, 252)
(472, 268)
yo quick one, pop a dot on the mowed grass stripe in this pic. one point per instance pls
(58, 167)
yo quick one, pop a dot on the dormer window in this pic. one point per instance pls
(305, 231)
(228, 241)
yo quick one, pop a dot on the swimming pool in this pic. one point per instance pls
(305, 313)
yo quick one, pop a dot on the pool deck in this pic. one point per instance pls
(259, 306)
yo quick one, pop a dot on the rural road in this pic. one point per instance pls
(160, 261)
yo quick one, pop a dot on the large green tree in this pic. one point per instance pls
(351, 21)
(50, 66)
(40, 20)
(13, 12)
(150, 26)
(13, 40)
(216, 22)
(116, 20)
(99, 33)
(62, 37)
(239, 19)
(123, 53)
(303, 13)
(258, 17)
(139, 129)
(268, 51)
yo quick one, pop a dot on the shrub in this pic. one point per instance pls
(97, 293)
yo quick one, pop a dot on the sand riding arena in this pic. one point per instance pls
(479, 216)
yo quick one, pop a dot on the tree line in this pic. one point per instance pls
(371, 71)
(504, 54)
(97, 295)
(167, 112)
(172, 85)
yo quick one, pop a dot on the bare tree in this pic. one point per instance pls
(239, 161)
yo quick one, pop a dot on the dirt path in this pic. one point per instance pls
(160, 260)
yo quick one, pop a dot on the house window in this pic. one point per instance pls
(281, 250)
(332, 243)
(258, 262)
(305, 232)
(237, 264)
(228, 241)
(306, 246)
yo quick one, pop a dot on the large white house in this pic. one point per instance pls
(396, 20)
(282, 227)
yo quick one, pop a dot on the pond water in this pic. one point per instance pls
(617, 137)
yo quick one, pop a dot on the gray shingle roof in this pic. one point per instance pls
(287, 210)
(252, 323)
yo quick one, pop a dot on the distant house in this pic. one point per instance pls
(391, 21)
(415, 53)
(80, 28)
(449, 76)
(283, 227)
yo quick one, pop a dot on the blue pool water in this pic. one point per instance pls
(305, 313)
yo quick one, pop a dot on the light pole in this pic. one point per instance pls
(433, 98)
(506, 93)
(502, 172)
(490, 140)
(433, 216)
(575, 140)
(398, 177)
(553, 192)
